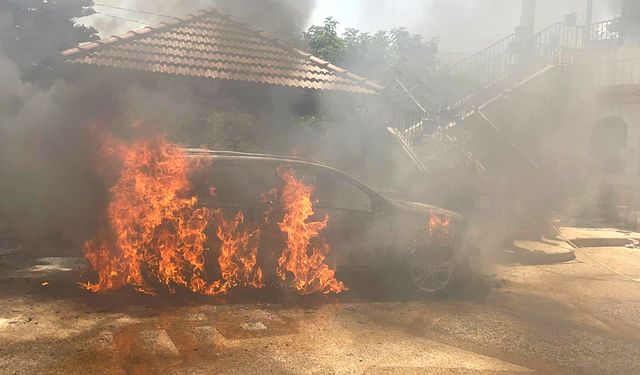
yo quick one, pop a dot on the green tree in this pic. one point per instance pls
(324, 40)
(412, 56)
(382, 56)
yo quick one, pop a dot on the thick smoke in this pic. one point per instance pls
(48, 188)
(280, 16)
(42, 188)
(47, 183)
(523, 196)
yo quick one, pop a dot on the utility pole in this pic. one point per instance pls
(588, 23)
(528, 15)
(526, 29)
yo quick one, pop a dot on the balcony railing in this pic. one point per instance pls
(553, 45)
(605, 30)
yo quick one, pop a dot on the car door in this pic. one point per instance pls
(350, 210)
(246, 187)
(243, 186)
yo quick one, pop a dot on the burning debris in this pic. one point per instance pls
(156, 233)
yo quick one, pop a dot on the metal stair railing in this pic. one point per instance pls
(492, 63)
(500, 66)
(408, 149)
(409, 132)
(562, 36)
(495, 71)
(556, 44)
(505, 59)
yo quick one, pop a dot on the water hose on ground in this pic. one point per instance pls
(581, 250)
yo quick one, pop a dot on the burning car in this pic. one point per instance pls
(357, 229)
(210, 221)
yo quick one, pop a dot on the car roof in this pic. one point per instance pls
(249, 156)
(269, 158)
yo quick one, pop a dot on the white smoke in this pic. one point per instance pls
(283, 16)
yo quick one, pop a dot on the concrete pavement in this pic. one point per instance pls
(570, 318)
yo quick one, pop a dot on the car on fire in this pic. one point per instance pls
(419, 243)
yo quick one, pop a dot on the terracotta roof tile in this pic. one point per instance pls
(211, 45)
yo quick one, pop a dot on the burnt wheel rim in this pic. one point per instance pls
(429, 271)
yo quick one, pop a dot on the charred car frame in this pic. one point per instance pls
(422, 244)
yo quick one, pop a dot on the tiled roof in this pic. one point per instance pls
(211, 45)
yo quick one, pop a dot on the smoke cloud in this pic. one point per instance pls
(41, 158)
(47, 182)
(49, 190)
(281, 16)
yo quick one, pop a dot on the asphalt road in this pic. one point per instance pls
(571, 318)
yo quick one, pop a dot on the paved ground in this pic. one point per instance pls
(554, 319)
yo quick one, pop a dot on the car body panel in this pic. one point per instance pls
(365, 229)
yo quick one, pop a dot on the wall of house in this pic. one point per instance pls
(602, 120)
(606, 84)
(605, 67)
(581, 124)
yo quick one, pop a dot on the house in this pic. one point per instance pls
(217, 65)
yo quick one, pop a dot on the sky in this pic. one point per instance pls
(463, 26)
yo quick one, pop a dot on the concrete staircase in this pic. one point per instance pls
(486, 80)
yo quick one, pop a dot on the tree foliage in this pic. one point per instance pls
(324, 40)
(383, 55)
(32, 32)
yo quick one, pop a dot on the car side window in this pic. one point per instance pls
(240, 184)
(331, 191)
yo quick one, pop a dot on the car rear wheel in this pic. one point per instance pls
(431, 270)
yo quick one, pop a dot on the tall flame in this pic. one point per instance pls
(150, 225)
(154, 234)
(304, 255)
(238, 254)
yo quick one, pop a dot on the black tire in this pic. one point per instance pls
(430, 270)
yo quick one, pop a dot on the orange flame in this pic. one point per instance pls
(155, 235)
(439, 227)
(304, 258)
(238, 254)
(150, 227)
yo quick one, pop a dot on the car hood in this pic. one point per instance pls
(422, 208)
